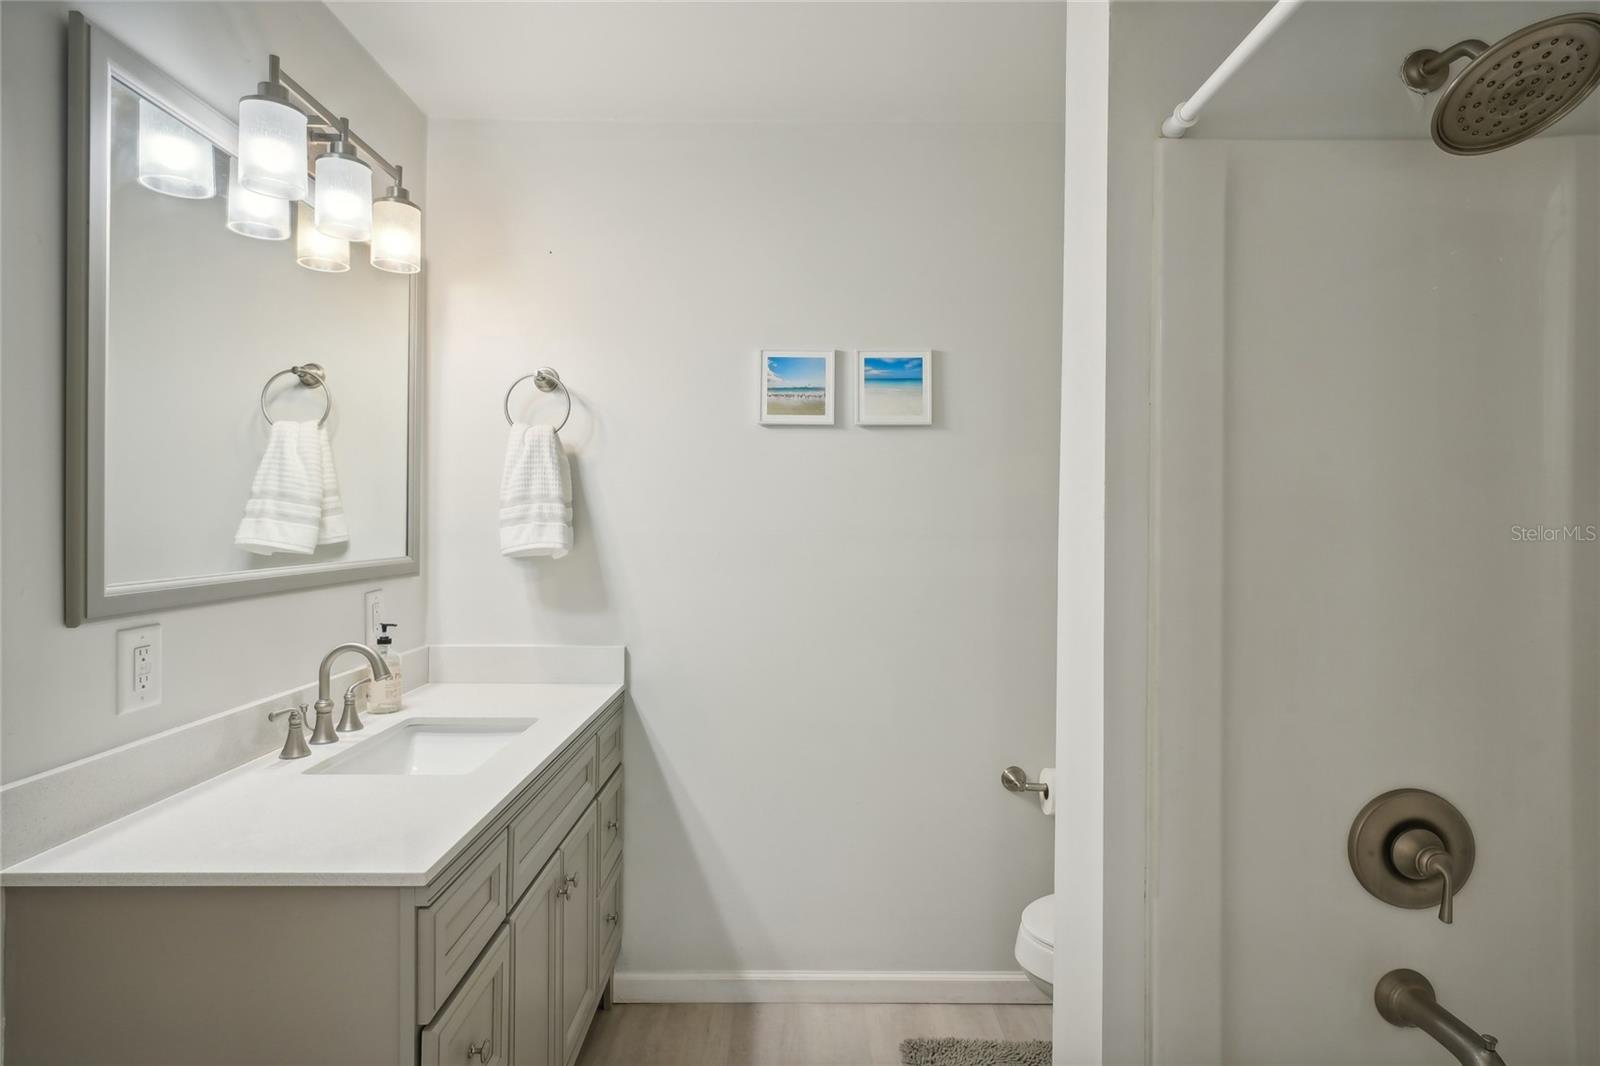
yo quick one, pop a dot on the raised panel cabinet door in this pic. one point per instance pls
(474, 1026)
(610, 806)
(453, 929)
(579, 988)
(608, 924)
(535, 969)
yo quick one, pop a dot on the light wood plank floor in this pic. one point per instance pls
(792, 1034)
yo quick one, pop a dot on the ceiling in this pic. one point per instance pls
(708, 62)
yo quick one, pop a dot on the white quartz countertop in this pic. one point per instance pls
(269, 822)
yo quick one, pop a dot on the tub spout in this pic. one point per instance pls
(1405, 998)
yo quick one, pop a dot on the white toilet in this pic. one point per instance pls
(1036, 943)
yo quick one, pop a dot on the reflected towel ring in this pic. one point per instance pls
(545, 380)
(312, 376)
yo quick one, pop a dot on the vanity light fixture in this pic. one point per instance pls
(344, 191)
(174, 159)
(272, 141)
(251, 214)
(277, 128)
(397, 231)
(315, 250)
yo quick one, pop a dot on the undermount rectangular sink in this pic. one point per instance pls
(428, 747)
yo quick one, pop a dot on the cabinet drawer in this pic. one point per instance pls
(454, 928)
(475, 1025)
(608, 916)
(610, 826)
(608, 746)
(537, 831)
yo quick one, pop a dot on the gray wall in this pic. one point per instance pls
(838, 635)
(58, 691)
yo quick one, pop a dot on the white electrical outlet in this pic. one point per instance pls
(138, 668)
(374, 615)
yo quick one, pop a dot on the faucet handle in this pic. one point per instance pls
(294, 745)
(1420, 855)
(350, 720)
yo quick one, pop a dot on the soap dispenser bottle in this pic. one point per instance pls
(385, 694)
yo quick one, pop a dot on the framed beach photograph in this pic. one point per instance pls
(894, 389)
(796, 388)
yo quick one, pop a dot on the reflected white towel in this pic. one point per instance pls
(535, 494)
(284, 512)
(333, 529)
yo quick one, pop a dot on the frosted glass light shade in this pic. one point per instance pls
(397, 235)
(272, 148)
(174, 159)
(344, 197)
(315, 250)
(251, 214)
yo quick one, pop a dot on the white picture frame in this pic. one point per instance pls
(795, 387)
(894, 388)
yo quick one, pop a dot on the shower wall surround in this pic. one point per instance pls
(1328, 79)
(836, 635)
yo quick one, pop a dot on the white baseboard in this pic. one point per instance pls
(827, 986)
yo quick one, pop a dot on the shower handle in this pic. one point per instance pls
(1420, 855)
(1412, 848)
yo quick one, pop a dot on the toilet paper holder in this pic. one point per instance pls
(1015, 779)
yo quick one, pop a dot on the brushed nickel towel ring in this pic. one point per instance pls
(312, 376)
(545, 380)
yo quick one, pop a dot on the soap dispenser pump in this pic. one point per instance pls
(385, 693)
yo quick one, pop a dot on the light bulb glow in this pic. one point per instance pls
(252, 215)
(272, 148)
(173, 159)
(271, 155)
(315, 250)
(344, 198)
(396, 236)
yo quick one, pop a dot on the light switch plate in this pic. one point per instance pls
(138, 668)
(374, 615)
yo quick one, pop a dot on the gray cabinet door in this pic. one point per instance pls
(579, 987)
(474, 1025)
(535, 972)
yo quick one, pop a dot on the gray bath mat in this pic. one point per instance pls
(921, 1051)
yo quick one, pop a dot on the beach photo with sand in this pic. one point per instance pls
(894, 390)
(795, 387)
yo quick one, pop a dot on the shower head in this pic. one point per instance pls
(1512, 89)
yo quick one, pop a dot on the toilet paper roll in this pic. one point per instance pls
(1047, 799)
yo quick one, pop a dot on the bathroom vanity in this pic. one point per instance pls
(443, 887)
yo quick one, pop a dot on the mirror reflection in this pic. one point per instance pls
(256, 373)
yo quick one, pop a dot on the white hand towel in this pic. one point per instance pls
(284, 512)
(535, 494)
(333, 529)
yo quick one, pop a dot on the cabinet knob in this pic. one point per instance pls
(572, 880)
(479, 1051)
(611, 919)
(565, 891)
(613, 825)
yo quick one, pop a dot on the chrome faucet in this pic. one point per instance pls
(1405, 998)
(323, 732)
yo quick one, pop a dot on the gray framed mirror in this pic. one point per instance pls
(188, 338)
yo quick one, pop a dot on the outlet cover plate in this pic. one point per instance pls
(374, 615)
(138, 668)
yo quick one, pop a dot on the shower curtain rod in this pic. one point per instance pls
(1187, 113)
